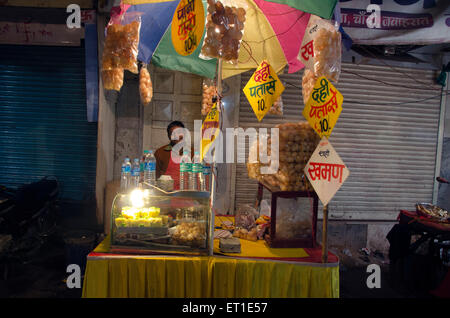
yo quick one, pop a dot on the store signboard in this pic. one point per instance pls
(39, 34)
(396, 21)
(188, 24)
(210, 129)
(326, 171)
(263, 89)
(323, 107)
(30, 33)
(306, 53)
(88, 16)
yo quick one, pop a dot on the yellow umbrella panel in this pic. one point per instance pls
(259, 43)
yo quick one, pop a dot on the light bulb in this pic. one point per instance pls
(137, 198)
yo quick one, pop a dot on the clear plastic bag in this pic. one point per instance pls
(250, 235)
(321, 48)
(277, 107)
(112, 79)
(121, 44)
(327, 51)
(264, 208)
(308, 82)
(145, 85)
(245, 217)
(297, 142)
(209, 92)
(224, 30)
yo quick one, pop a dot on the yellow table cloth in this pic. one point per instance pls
(114, 275)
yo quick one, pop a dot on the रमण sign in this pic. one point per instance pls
(188, 24)
(326, 171)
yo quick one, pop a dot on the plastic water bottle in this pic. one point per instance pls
(135, 173)
(125, 175)
(149, 167)
(185, 171)
(206, 181)
(197, 172)
(141, 168)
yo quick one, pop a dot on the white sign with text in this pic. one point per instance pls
(326, 171)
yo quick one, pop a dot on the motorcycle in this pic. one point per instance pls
(27, 219)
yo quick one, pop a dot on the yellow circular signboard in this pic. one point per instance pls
(188, 24)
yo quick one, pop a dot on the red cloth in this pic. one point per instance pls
(443, 291)
(413, 216)
(173, 170)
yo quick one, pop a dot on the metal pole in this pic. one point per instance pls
(213, 164)
(325, 235)
(219, 77)
(437, 171)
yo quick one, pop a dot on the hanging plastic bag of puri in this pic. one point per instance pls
(224, 29)
(112, 79)
(209, 92)
(297, 142)
(277, 107)
(120, 50)
(308, 81)
(326, 53)
(145, 85)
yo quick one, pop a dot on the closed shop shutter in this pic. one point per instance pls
(43, 125)
(388, 144)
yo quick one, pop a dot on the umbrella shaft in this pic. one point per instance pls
(219, 77)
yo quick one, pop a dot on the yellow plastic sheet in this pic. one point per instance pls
(216, 276)
(259, 43)
(206, 277)
(260, 249)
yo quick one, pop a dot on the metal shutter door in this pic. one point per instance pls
(43, 125)
(389, 149)
(246, 188)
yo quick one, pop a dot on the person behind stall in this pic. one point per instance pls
(164, 164)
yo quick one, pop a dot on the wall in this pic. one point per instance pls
(444, 189)
(106, 131)
(128, 126)
(176, 96)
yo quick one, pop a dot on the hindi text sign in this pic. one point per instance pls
(323, 107)
(188, 24)
(326, 171)
(306, 53)
(263, 89)
(210, 130)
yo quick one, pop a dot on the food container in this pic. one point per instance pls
(293, 217)
(165, 182)
(151, 221)
(432, 212)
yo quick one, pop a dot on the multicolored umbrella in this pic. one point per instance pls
(273, 32)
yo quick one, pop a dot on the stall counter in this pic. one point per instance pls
(259, 271)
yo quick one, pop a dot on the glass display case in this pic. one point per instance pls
(152, 221)
(293, 217)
